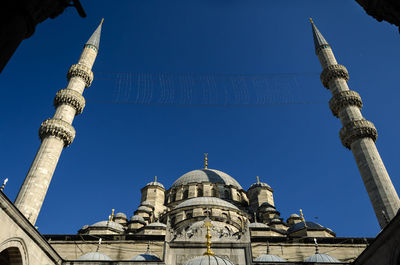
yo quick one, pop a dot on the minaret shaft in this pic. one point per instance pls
(357, 134)
(57, 133)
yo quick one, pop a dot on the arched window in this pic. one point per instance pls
(226, 194)
(11, 256)
(199, 192)
(213, 192)
(239, 197)
(185, 194)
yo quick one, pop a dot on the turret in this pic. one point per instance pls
(154, 195)
(357, 134)
(57, 133)
(260, 193)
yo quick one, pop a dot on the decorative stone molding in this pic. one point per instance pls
(70, 97)
(57, 128)
(356, 130)
(321, 47)
(334, 71)
(344, 99)
(81, 71)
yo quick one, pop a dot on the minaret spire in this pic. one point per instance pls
(57, 132)
(357, 134)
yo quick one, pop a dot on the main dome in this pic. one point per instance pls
(206, 175)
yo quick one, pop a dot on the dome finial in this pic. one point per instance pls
(302, 218)
(258, 180)
(312, 22)
(4, 184)
(208, 224)
(316, 246)
(205, 160)
(111, 217)
(155, 178)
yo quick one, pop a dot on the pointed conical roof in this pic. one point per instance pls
(319, 40)
(95, 38)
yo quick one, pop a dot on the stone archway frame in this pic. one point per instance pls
(16, 242)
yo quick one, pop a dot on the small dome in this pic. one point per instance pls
(108, 224)
(144, 209)
(155, 183)
(147, 204)
(276, 221)
(266, 205)
(208, 260)
(121, 215)
(260, 184)
(145, 257)
(293, 215)
(310, 226)
(269, 257)
(94, 256)
(137, 219)
(206, 201)
(206, 175)
(269, 209)
(156, 225)
(258, 225)
(321, 258)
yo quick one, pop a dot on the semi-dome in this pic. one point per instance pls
(208, 260)
(206, 201)
(108, 224)
(206, 175)
(321, 258)
(310, 226)
(258, 225)
(94, 256)
(146, 257)
(269, 257)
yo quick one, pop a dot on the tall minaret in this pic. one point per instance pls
(357, 134)
(57, 132)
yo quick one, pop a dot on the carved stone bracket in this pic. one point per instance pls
(70, 97)
(57, 128)
(334, 71)
(81, 71)
(356, 130)
(344, 99)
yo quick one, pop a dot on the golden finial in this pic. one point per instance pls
(112, 215)
(101, 22)
(258, 180)
(302, 218)
(155, 179)
(208, 224)
(205, 160)
(312, 22)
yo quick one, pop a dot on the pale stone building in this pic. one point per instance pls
(206, 216)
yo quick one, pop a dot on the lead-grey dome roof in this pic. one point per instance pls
(137, 219)
(310, 226)
(155, 183)
(260, 184)
(94, 256)
(108, 224)
(322, 258)
(120, 215)
(206, 175)
(146, 257)
(269, 257)
(206, 201)
(209, 260)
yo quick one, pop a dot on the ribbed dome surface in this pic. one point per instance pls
(146, 257)
(323, 258)
(206, 175)
(94, 256)
(269, 257)
(208, 260)
(206, 201)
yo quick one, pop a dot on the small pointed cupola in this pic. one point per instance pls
(319, 40)
(94, 40)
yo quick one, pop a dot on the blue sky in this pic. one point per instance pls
(120, 146)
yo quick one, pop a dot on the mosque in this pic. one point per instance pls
(206, 217)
